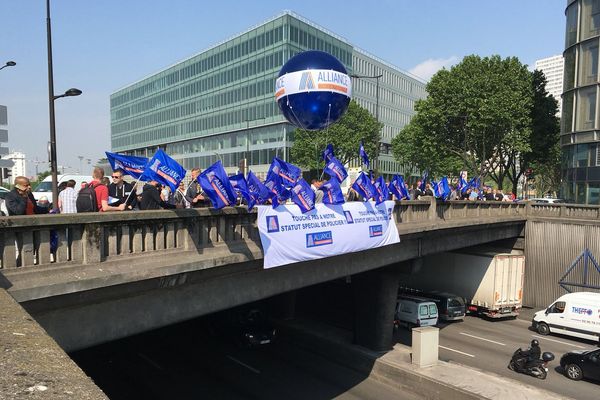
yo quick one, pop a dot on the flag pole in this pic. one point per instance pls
(134, 185)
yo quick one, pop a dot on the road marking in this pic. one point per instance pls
(244, 365)
(480, 338)
(456, 351)
(558, 341)
(150, 361)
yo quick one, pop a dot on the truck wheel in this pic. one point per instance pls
(543, 328)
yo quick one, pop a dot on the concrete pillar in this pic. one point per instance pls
(375, 294)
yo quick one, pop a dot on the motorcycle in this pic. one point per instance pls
(536, 368)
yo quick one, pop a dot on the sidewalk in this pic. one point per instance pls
(444, 381)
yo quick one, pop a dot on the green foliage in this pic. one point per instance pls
(345, 135)
(485, 115)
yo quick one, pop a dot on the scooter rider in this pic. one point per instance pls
(534, 352)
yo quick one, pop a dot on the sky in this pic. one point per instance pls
(102, 46)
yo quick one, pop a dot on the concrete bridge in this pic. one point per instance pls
(117, 274)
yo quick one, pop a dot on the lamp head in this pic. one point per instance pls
(73, 92)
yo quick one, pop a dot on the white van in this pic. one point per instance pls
(414, 311)
(44, 188)
(574, 314)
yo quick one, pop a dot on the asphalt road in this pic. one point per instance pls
(186, 362)
(489, 345)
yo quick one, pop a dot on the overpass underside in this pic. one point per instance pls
(214, 262)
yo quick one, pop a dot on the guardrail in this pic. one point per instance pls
(80, 239)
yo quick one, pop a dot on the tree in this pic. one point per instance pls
(345, 135)
(477, 115)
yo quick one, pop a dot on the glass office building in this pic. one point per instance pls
(580, 129)
(220, 103)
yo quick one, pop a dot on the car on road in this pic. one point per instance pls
(581, 364)
(546, 200)
(245, 326)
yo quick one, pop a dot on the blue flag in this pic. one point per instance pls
(332, 192)
(130, 165)
(462, 182)
(335, 169)
(240, 186)
(258, 192)
(289, 173)
(364, 187)
(444, 188)
(303, 196)
(398, 188)
(327, 153)
(215, 183)
(434, 187)
(381, 190)
(279, 194)
(423, 181)
(363, 154)
(164, 170)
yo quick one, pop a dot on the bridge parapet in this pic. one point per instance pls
(80, 239)
(572, 211)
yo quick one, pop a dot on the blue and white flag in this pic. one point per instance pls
(363, 154)
(444, 188)
(303, 196)
(240, 186)
(462, 182)
(434, 188)
(332, 192)
(130, 165)
(279, 194)
(364, 187)
(381, 190)
(164, 170)
(215, 183)
(258, 192)
(289, 173)
(335, 169)
(398, 188)
(327, 153)
(423, 181)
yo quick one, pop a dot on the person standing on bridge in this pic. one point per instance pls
(20, 200)
(194, 191)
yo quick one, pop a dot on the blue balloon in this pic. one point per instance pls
(313, 90)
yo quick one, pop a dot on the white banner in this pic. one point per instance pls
(288, 236)
(313, 80)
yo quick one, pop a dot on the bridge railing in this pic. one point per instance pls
(76, 239)
(573, 211)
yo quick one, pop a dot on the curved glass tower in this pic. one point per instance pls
(580, 130)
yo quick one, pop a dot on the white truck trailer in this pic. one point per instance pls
(490, 282)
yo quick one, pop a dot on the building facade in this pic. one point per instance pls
(553, 69)
(220, 103)
(19, 167)
(580, 128)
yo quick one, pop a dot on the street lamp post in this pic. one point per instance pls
(8, 64)
(51, 98)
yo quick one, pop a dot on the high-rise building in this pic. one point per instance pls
(19, 167)
(553, 69)
(580, 130)
(220, 103)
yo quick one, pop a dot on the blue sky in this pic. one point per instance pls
(101, 46)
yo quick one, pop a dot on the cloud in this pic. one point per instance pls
(428, 68)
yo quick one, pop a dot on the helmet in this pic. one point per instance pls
(534, 343)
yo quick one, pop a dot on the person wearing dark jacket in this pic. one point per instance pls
(20, 200)
(120, 191)
(533, 353)
(151, 198)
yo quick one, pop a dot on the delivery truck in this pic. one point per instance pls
(575, 314)
(491, 282)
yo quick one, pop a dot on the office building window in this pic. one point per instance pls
(571, 31)
(586, 109)
(590, 18)
(588, 62)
